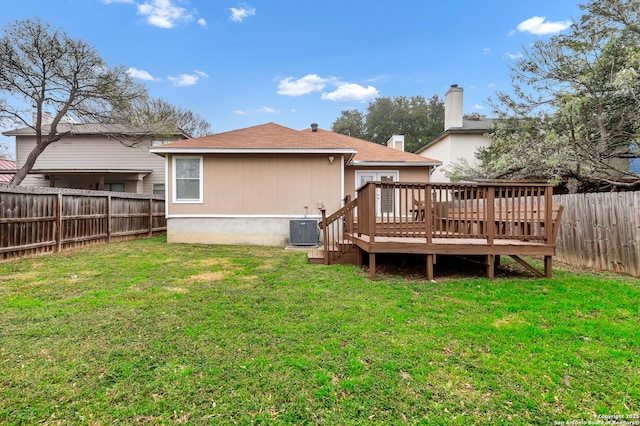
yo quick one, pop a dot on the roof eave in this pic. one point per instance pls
(162, 151)
(397, 163)
(88, 171)
(20, 132)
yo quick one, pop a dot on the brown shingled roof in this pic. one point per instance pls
(261, 137)
(370, 151)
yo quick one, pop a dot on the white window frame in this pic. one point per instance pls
(174, 180)
(155, 187)
(377, 174)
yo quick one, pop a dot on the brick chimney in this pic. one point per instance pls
(453, 107)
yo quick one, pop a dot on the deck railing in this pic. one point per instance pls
(456, 210)
(338, 230)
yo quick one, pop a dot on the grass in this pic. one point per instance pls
(152, 333)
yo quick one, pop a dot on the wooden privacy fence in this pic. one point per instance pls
(600, 231)
(45, 220)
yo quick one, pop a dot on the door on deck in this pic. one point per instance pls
(385, 197)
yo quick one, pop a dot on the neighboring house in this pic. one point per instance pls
(6, 165)
(96, 156)
(245, 186)
(461, 137)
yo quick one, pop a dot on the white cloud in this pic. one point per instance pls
(202, 22)
(486, 50)
(302, 86)
(538, 25)
(514, 56)
(239, 14)
(477, 106)
(491, 85)
(264, 109)
(140, 74)
(183, 80)
(314, 83)
(381, 77)
(163, 13)
(352, 92)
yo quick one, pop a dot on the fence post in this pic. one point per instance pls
(108, 218)
(59, 223)
(151, 217)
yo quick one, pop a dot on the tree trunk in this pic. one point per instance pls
(28, 165)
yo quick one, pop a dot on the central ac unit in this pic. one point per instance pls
(303, 232)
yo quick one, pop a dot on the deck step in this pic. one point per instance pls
(316, 256)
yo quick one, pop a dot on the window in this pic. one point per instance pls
(158, 189)
(115, 187)
(187, 179)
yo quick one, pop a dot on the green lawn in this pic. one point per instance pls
(152, 333)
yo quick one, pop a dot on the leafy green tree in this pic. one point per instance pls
(352, 123)
(575, 109)
(419, 119)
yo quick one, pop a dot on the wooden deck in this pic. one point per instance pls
(489, 220)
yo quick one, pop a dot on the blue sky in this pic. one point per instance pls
(239, 64)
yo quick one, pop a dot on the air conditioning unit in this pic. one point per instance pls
(303, 232)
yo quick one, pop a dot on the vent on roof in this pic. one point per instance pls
(314, 127)
(303, 232)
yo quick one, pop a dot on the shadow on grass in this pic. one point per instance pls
(413, 267)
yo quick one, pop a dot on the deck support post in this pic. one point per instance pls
(430, 262)
(547, 266)
(372, 266)
(490, 267)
